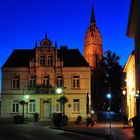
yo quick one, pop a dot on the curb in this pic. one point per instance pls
(96, 134)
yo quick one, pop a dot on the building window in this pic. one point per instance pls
(76, 105)
(46, 81)
(31, 106)
(59, 81)
(42, 60)
(32, 81)
(15, 81)
(58, 106)
(76, 81)
(15, 106)
(50, 60)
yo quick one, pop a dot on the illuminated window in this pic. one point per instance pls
(75, 81)
(15, 106)
(42, 60)
(32, 106)
(15, 81)
(50, 60)
(59, 81)
(76, 105)
(58, 106)
(32, 81)
(46, 81)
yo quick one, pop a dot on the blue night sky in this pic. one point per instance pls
(22, 22)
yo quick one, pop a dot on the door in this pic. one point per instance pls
(47, 108)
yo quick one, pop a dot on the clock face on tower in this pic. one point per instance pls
(46, 43)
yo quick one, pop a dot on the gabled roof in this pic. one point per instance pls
(20, 58)
(70, 57)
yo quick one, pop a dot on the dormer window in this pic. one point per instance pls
(42, 60)
(50, 60)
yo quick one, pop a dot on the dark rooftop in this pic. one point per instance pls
(70, 57)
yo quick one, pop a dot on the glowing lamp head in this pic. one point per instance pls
(26, 97)
(59, 90)
(109, 96)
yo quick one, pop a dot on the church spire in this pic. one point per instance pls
(92, 20)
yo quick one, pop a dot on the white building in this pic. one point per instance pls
(38, 72)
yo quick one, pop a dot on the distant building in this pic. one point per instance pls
(93, 51)
(38, 72)
(129, 90)
(133, 31)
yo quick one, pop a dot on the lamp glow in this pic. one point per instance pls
(26, 97)
(59, 90)
(109, 96)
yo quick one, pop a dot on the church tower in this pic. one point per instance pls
(93, 43)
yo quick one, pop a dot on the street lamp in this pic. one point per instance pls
(59, 90)
(109, 96)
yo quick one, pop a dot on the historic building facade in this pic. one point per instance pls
(129, 88)
(133, 31)
(38, 73)
(93, 43)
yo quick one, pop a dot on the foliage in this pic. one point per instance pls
(107, 75)
(36, 117)
(79, 119)
(59, 119)
(63, 100)
(22, 102)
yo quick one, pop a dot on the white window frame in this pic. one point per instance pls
(76, 105)
(31, 106)
(15, 82)
(15, 106)
(32, 81)
(59, 81)
(58, 107)
(76, 81)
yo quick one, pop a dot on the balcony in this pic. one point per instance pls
(40, 89)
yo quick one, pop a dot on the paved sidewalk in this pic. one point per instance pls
(103, 130)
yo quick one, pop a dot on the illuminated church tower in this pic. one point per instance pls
(93, 43)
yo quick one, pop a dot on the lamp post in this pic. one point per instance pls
(109, 96)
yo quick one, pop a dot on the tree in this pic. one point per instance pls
(22, 102)
(107, 75)
(63, 100)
